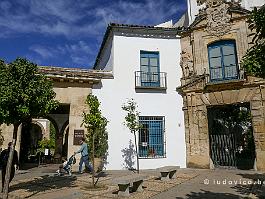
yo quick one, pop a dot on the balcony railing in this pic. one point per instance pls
(237, 76)
(150, 80)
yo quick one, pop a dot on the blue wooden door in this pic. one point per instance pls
(150, 69)
(223, 61)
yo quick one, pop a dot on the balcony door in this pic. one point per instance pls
(223, 60)
(150, 76)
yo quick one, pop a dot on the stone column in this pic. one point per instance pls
(258, 121)
(196, 128)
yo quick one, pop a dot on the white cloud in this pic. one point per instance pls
(42, 51)
(5, 5)
(79, 52)
(80, 23)
(80, 18)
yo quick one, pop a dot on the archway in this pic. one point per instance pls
(31, 134)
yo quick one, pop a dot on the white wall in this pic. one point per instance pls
(115, 92)
(251, 4)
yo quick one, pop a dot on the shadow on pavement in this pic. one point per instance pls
(255, 183)
(210, 195)
(250, 184)
(44, 183)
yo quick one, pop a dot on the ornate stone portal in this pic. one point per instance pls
(214, 23)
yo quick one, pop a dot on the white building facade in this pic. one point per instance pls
(144, 61)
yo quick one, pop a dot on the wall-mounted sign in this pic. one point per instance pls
(46, 152)
(78, 135)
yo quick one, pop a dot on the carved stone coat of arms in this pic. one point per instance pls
(218, 20)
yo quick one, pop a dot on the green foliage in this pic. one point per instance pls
(100, 143)
(45, 144)
(254, 61)
(24, 93)
(131, 119)
(95, 124)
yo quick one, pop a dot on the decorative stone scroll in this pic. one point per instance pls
(214, 3)
(218, 19)
(210, 3)
(217, 16)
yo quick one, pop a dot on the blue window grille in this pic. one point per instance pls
(151, 137)
(223, 61)
(150, 70)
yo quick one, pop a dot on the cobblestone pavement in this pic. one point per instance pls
(190, 183)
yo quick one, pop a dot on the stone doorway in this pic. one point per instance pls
(231, 136)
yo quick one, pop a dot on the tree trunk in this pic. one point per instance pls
(9, 163)
(93, 159)
(136, 149)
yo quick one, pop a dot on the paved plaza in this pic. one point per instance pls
(40, 182)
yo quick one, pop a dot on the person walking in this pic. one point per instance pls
(84, 156)
(3, 162)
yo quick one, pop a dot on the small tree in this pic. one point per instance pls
(100, 141)
(95, 124)
(24, 94)
(132, 122)
(254, 60)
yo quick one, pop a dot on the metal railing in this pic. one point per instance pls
(239, 75)
(150, 80)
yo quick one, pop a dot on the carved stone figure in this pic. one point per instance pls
(186, 63)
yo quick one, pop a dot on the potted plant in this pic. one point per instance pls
(151, 152)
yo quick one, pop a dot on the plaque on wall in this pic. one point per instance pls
(78, 135)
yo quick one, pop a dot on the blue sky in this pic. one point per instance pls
(68, 33)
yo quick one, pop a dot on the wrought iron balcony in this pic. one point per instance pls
(156, 80)
(234, 76)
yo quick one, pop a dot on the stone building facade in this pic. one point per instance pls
(201, 87)
(71, 86)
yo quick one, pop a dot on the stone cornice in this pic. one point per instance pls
(61, 74)
(198, 85)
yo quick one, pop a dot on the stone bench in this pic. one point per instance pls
(125, 182)
(168, 172)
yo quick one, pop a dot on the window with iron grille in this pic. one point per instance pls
(152, 137)
(223, 60)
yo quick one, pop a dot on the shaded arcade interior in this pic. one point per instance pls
(50, 133)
